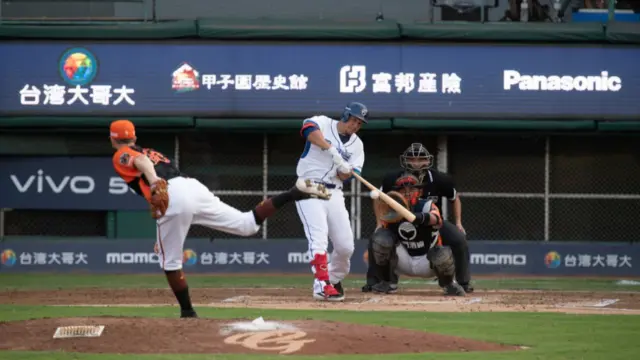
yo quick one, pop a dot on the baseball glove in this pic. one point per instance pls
(159, 198)
(387, 214)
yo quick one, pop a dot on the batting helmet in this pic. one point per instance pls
(357, 110)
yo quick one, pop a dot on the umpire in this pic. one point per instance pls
(435, 185)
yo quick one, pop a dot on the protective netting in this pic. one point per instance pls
(592, 191)
(28, 222)
(581, 188)
(594, 188)
(55, 223)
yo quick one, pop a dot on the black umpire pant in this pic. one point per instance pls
(452, 237)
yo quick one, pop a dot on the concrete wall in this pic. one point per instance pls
(400, 10)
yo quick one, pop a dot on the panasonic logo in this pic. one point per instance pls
(499, 259)
(524, 82)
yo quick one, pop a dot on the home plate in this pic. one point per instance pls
(605, 302)
(473, 301)
(236, 299)
(425, 302)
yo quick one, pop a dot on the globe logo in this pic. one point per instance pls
(189, 257)
(8, 258)
(552, 260)
(78, 66)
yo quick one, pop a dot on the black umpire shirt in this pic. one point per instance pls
(435, 185)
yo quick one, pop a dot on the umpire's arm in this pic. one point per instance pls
(448, 189)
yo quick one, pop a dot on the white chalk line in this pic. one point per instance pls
(241, 298)
(600, 304)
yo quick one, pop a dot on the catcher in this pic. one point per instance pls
(412, 248)
(434, 185)
(177, 202)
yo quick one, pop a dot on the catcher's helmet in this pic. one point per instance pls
(416, 159)
(357, 110)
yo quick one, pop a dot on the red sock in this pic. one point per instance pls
(319, 263)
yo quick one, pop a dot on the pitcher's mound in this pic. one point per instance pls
(184, 336)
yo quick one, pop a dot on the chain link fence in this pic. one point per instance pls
(511, 187)
(593, 188)
(565, 188)
(570, 188)
(24, 222)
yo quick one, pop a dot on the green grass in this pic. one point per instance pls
(58, 281)
(551, 336)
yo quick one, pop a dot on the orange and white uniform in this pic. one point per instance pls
(190, 202)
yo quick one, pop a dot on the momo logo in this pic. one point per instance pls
(132, 258)
(525, 82)
(302, 258)
(80, 184)
(499, 259)
(281, 341)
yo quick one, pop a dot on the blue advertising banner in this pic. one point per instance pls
(291, 256)
(248, 79)
(65, 183)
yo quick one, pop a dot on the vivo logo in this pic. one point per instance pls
(80, 184)
(499, 259)
(132, 258)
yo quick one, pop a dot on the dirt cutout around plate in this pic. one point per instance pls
(157, 335)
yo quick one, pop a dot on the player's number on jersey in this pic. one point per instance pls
(155, 157)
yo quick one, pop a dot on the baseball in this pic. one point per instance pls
(374, 194)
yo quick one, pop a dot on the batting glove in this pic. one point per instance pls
(337, 158)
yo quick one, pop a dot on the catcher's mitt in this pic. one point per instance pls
(159, 198)
(387, 214)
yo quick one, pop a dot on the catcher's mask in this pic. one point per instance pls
(416, 159)
(408, 185)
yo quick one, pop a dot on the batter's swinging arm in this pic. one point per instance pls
(387, 199)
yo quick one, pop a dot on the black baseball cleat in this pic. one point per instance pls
(385, 287)
(468, 288)
(188, 314)
(366, 288)
(339, 288)
(454, 289)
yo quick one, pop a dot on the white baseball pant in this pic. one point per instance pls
(329, 219)
(190, 202)
(412, 265)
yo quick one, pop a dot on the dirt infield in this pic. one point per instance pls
(405, 300)
(208, 336)
(151, 335)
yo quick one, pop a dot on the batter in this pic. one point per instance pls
(331, 153)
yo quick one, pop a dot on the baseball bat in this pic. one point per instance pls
(387, 199)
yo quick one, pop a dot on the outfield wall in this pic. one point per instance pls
(290, 256)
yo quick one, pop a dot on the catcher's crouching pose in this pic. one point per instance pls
(413, 248)
(178, 201)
